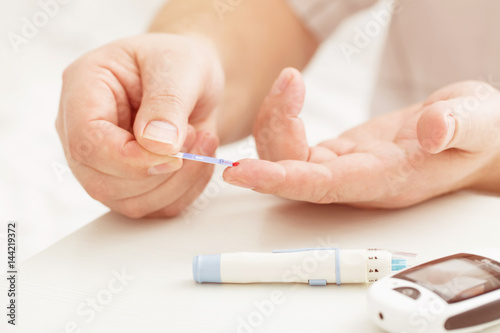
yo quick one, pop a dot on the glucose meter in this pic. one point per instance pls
(458, 293)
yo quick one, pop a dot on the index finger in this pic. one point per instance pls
(346, 179)
(95, 113)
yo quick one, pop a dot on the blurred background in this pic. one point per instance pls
(37, 188)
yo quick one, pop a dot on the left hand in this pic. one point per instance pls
(447, 143)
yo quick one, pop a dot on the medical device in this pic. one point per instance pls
(205, 159)
(315, 266)
(458, 293)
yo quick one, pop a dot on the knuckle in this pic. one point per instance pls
(331, 196)
(70, 69)
(133, 210)
(139, 175)
(330, 193)
(171, 96)
(440, 106)
(172, 211)
(81, 148)
(99, 190)
(134, 172)
(74, 151)
(403, 199)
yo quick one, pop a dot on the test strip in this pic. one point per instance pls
(205, 159)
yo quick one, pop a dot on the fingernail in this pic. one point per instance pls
(161, 169)
(239, 183)
(281, 83)
(450, 132)
(161, 131)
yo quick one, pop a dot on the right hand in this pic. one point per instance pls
(126, 106)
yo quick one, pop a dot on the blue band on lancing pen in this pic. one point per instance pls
(337, 266)
(337, 257)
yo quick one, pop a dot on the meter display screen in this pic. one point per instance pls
(456, 278)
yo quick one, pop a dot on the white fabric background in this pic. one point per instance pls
(49, 207)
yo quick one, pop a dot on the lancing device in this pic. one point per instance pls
(315, 266)
(205, 159)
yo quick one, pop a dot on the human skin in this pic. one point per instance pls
(447, 143)
(194, 81)
(197, 80)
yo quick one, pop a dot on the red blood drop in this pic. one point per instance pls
(236, 164)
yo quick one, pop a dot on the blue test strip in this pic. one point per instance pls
(204, 159)
(398, 264)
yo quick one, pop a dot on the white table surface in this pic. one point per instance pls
(36, 185)
(163, 297)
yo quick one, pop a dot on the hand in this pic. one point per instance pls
(449, 142)
(126, 106)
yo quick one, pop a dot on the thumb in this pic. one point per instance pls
(174, 92)
(279, 133)
(449, 124)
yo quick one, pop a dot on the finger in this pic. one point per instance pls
(177, 186)
(178, 206)
(320, 154)
(451, 124)
(105, 188)
(278, 132)
(459, 89)
(176, 86)
(379, 128)
(115, 152)
(285, 178)
(187, 146)
(349, 178)
(340, 146)
(89, 125)
(436, 126)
